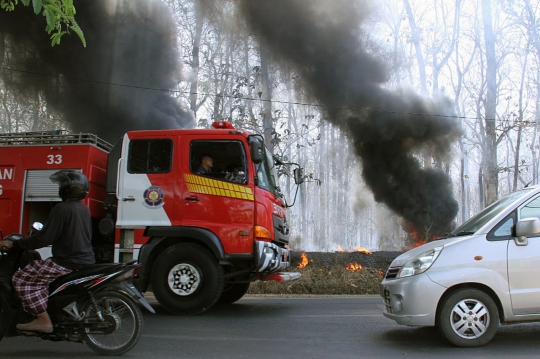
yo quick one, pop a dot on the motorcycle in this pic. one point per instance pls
(95, 305)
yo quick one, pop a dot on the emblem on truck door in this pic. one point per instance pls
(153, 197)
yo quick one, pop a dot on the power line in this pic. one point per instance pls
(106, 83)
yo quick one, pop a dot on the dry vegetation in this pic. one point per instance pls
(327, 273)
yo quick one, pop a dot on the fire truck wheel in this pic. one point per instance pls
(187, 279)
(233, 292)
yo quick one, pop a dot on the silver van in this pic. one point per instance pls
(486, 272)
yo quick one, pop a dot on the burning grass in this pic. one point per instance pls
(332, 273)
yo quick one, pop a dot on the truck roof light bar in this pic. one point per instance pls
(222, 125)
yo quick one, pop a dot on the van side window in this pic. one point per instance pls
(150, 156)
(228, 160)
(503, 230)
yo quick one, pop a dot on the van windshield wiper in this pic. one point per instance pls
(464, 233)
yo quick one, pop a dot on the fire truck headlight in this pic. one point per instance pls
(420, 263)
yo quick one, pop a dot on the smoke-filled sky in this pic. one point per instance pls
(129, 42)
(133, 43)
(321, 40)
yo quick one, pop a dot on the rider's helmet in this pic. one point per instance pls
(72, 184)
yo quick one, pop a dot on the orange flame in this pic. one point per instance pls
(353, 267)
(304, 262)
(363, 250)
(358, 249)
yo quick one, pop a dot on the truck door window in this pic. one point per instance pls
(228, 159)
(150, 156)
(267, 177)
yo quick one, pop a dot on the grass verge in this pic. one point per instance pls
(335, 279)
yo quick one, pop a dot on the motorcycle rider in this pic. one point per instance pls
(69, 230)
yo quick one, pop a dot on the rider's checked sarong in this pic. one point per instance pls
(32, 284)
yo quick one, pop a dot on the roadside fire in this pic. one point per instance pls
(353, 267)
(363, 250)
(304, 261)
(416, 239)
(358, 249)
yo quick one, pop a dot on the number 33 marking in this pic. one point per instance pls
(54, 159)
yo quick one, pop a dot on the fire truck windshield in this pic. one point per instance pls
(267, 175)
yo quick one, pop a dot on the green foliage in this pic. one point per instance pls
(59, 14)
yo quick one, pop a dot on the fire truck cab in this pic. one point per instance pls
(201, 237)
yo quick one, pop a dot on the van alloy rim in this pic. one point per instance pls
(469, 318)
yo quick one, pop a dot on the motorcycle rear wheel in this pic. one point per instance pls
(122, 327)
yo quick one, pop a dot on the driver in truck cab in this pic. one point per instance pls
(206, 164)
(68, 230)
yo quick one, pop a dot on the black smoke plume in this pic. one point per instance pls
(322, 41)
(117, 83)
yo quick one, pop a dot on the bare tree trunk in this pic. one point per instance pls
(462, 182)
(35, 113)
(268, 126)
(519, 125)
(532, 31)
(438, 65)
(481, 197)
(491, 175)
(2, 48)
(323, 220)
(249, 110)
(199, 20)
(415, 37)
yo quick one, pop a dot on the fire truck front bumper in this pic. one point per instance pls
(271, 258)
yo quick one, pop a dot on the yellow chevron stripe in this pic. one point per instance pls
(200, 184)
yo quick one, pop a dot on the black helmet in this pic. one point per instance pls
(72, 184)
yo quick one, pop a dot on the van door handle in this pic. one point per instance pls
(128, 199)
(193, 199)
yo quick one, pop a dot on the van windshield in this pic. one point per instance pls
(478, 221)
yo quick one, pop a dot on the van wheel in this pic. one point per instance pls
(468, 318)
(187, 279)
(233, 292)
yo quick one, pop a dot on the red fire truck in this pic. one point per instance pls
(201, 238)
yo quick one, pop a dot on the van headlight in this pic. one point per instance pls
(420, 263)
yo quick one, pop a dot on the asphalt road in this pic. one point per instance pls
(301, 327)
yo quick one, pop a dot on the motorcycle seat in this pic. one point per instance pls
(83, 272)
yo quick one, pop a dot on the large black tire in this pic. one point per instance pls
(233, 292)
(468, 318)
(187, 279)
(125, 319)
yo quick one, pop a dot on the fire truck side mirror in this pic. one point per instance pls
(257, 151)
(298, 175)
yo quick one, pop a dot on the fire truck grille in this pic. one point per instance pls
(281, 230)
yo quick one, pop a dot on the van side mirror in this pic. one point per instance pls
(298, 175)
(526, 227)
